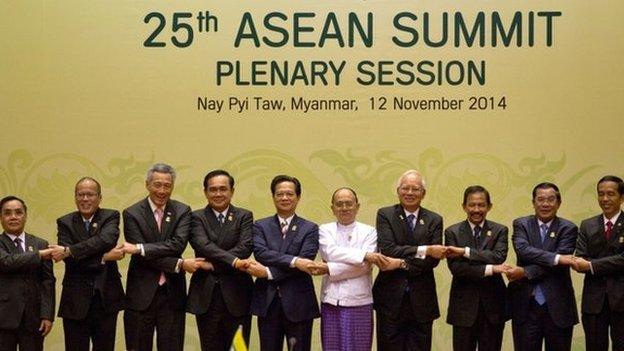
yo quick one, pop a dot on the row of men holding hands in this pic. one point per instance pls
(406, 245)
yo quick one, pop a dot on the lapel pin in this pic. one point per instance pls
(621, 239)
(489, 233)
(552, 234)
(168, 219)
(94, 225)
(620, 224)
(230, 217)
(421, 222)
(30, 248)
(401, 216)
(294, 227)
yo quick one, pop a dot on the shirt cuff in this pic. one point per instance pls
(467, 252)
(177, 266)
(591, 268)
(269, 275)
(421, 252)
(234, 262)
(140, 246)
(556, 262)
(488, 270)
(292, 262)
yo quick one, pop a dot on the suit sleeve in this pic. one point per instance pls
(462, 267)
(173, 245)
(386, 241)
(343, 262)
(497, 255)
(47, 288)
(417, 266)
(87, 254)
(10, 263)
(133, 234)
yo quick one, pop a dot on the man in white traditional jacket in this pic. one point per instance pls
(348, 249)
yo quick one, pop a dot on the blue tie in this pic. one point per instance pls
(87, 223)
(221, 218)
(539, 294)
(410, 221)
(477, 234)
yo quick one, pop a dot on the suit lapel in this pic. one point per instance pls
(148, 216)
(293, 230)
(467, 236)
(406, 234)
(551, 236)
(212, 224)
(79, 227)
(420, 228)
(8, 243)
(486, 235)
(229, 221)
(616, 232)
(534, 233)
(167, 220)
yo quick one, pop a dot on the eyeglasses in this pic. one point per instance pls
(407, 189)
(546, 200)
(87, 195)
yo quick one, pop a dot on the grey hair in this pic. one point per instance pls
(160, 168)
(411, 172)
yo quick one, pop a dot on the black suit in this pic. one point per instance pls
(553, 321)
(92, 291)
(149, 305)
(477, 303)
(220, 299)
(405, 300)
(26, 293)
(603, 290)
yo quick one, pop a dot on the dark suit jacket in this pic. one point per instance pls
(395, 239)
(607, 259)
(294, 286)
(537, 260)
(85, 275)
(163, 249)
(470, 288)
(221, 244)
(26, 284)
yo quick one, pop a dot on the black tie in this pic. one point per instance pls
(18, 245)
(477, 234)
(220, 217)
(411, 221)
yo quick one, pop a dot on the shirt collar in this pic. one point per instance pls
(344, 228)
(217, 213)
(472, 225)
(287, 220)
(415, 213)
(539, 223)
(153, 205)
(21, 236)
(613, 219)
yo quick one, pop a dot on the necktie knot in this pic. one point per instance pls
(284, 228)
(221, 218)
(609, 225)
(544, 227)
(608, 229)
(18, 244)
(477, 231)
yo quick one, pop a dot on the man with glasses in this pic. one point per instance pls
(220, 292)
(92, 292)
(26, 282)
(156, 231)
(285, 246)
(405, 298)
(600, 256)
(542, 298)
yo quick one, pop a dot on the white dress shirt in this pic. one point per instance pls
(350, 281)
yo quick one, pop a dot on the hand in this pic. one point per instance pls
(45, 254)
(436, 251)
(454, 252)
(45, 327)
(566, 260)
(304, 265)
(515, 273)
(257, 270)
(501, 268)
(581, 265)
(115, 254)
(206, 265)
(131, 249)
(242, 264)
(190, 265)
(59, 253)
(393, 263)
(319, 268)
(377, 259)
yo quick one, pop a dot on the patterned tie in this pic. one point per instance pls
(608, 230)
(477, 235)
(411, 221)
(158, 215)
(18, 245)
(284, 228)
(221, 218)
(538, 293)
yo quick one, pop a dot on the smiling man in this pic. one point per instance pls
(156, 231)
(541, 293)
(285, 246)
(600, 251)
(92, 292)
(220, 292)
(26, 281)
(476, 250)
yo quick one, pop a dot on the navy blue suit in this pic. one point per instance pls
(554, 320)
(285, 305)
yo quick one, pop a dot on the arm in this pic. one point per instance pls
(461, 267)
(10, 263)
(48, 281)
(99, 244)
(417, 266)
(497, 255)
(386, 242)
(525, 251)
(348, 263)
(176, 243)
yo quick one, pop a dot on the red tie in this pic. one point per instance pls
(608, 229)
(158, 215)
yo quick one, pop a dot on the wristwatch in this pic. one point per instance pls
(403, 265)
